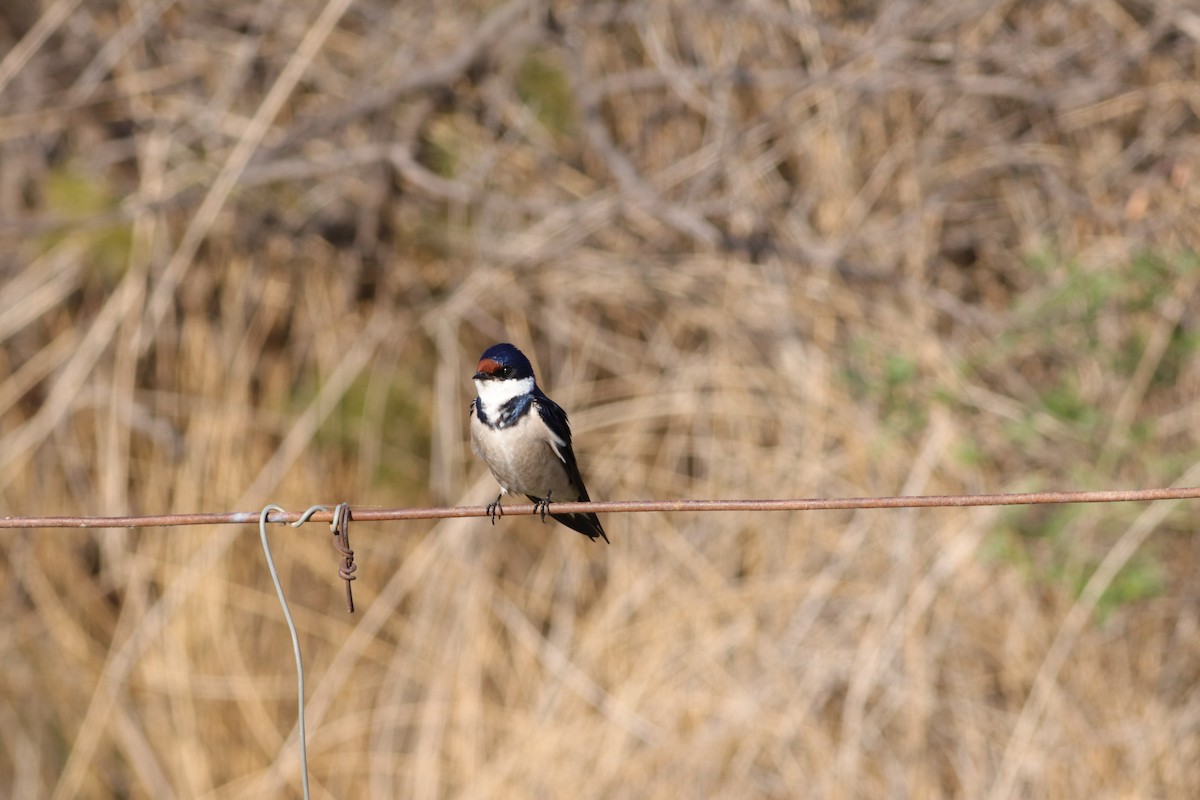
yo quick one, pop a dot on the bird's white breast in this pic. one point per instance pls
(523, 457)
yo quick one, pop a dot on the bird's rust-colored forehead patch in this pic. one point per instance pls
(487, 366)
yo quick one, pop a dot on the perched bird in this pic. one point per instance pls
(525, 439)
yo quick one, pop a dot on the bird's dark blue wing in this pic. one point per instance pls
(556, 420)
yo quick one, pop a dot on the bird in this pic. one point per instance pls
(524, 438)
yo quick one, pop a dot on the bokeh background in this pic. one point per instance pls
(250, 252)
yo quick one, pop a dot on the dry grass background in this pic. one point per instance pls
(758, 249)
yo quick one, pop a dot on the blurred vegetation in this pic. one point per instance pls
(756, 250)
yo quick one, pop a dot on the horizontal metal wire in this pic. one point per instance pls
(365, 514)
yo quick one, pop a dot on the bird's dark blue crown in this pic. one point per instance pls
(503, 362)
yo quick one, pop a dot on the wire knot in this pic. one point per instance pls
(340, 525)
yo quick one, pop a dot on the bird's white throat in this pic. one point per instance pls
(494, 394)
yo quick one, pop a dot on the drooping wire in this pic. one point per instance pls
(287, 615)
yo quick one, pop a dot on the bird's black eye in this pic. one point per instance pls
(504, 371)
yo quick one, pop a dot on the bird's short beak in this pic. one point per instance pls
(481, 376)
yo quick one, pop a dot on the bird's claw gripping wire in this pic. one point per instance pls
(494, 509)
(543, 506)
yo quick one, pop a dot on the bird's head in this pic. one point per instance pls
(503, 373)
(503, 362)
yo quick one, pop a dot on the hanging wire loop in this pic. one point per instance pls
(340, 525)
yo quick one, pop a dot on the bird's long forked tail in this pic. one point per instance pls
(587, 524)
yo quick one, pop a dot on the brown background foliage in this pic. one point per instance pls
(250, 251)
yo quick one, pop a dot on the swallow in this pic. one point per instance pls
(524, 438)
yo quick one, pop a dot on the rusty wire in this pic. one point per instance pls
(363, 514)
(340, 526)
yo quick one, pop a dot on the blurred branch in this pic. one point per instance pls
(495, 34)
(46, 25)
(223, 185)
(680, 218)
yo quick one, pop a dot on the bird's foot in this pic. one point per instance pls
(543, 505)
(494, 509)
